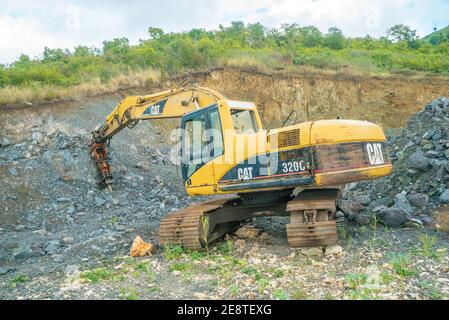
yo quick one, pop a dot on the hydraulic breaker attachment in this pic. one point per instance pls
(98, 151)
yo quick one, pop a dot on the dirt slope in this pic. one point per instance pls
(388, 101)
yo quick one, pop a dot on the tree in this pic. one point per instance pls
(117, 46)
(256, 35)
(403, 33)
(334, 39)
(155, 33)
(53, 54)
(311, 36)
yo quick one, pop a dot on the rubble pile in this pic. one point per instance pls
(420, 180)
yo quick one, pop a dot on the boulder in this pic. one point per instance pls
(444, 197)
(334, 250)
(312, 252)
(247, 232)
(419, 161)
(141, 248)
(393, 217)
(52, 247)
(363, 219)
(401, 202)
(350, 207)
(419, 200)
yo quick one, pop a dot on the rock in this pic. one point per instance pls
(68, 240)
(4, 271)
(99, 201)
(446, 166)
(13, 171)
(363, 219)
(444, 197)
(334, 250)
(247, 232)
(19, 227)
(401, 202)
(363, 199)
(141, 248)
(143, 165)
(58, 258)
(446, 153)
(433, 154)
(419, 200)
(351, 207)
(419, 161)
(5, 142)
(24, 251)
(312, 252)
(199, 296)
(37, 136)
(425, 219)
(63, 199)
(393, 217)
(52, 247)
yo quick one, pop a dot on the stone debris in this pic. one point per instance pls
(312, 252)
(419, 183)
(247, 232)
(335, 250)
(141, 248)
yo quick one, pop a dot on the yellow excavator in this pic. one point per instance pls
(290, 171)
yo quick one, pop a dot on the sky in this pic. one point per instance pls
(28, 26)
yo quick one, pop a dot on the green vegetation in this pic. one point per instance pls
(19, 279)
(401, 265)
(89, 70)
(97, 275)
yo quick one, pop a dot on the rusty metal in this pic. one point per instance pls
(312, 234)
(189, 227)
(98, 151)
(312, 218)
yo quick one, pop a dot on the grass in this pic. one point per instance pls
(37, 93)
(401, 265)
(431, 290)
(97, 275)
(299, 294)
(173, 252)
(19, 279)
(428, 248)
(180, 266)
(280, 294)
(129, 294)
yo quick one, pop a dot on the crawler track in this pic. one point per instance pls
(312, 215)
(190, 227)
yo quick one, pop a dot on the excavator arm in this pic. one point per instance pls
(174, 103)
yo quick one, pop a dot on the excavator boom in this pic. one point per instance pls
(173, 103)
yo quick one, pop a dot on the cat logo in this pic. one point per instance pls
(155, 109)
(375, 155)
(245, 173)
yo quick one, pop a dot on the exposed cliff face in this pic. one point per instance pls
(386, 101)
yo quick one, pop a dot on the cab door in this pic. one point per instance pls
(201, 142)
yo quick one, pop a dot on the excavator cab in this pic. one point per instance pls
(208, 137)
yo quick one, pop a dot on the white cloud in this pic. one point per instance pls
(20, 35)
(28, 26)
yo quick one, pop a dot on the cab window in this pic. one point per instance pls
(193, 142)
(243, 121)
(202, 140)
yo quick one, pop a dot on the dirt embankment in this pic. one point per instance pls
(387, 101)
